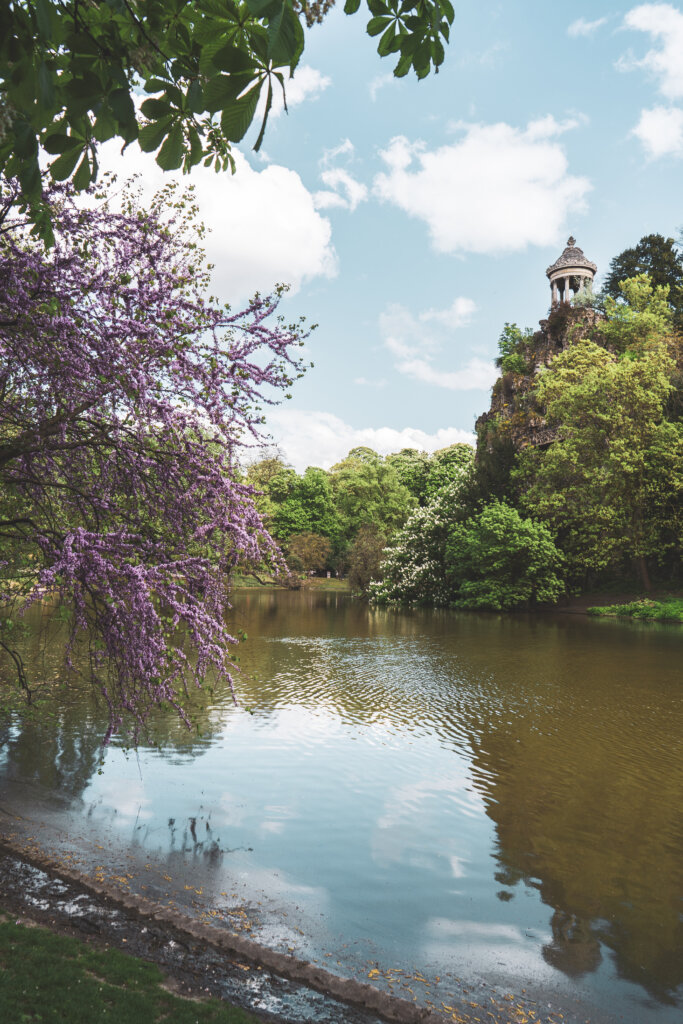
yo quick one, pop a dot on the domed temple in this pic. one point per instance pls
(515, 420)
(571, 273)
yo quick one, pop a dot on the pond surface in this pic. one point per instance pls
(461, 796)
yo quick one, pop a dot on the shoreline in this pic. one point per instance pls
(580, 604)
(358, 995)
(200, 960)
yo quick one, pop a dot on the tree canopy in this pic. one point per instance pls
(497, 559)
(367, 492)
(126, 397)
(659, 258)
(72, 75)
(610, 487)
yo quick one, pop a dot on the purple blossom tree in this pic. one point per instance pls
(126, 397)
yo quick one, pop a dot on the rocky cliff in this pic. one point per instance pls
(515, 418)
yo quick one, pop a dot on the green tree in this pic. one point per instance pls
(511, 345)
(367, 491)
(365, 558)
(413, 569)
(641, 314)
(258, 475)
(447, 465)
(315, 491)
(308, 551)
(412, 469)
(610, 487)
(498, 560)
(69, 73)
(660, 259)
(424, 475)
(274, 479)
(292, 504)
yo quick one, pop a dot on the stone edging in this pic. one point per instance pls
(347, 990)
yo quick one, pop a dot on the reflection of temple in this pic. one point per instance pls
(567, 753)
(570, 273)
(575, 949)
(584, 791)
(572, 733)
(566, 750)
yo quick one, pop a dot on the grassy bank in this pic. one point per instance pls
(54, 979)
(307, 583)
(667, 610)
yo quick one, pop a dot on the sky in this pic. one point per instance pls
(413, 219)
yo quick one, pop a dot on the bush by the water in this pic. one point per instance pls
(499, 560)
(669, 610)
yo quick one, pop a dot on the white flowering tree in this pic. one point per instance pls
(414, 566)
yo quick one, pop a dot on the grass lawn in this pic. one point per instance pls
(667, 610)
(308, 583)
(53, 979)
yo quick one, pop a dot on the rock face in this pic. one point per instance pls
(515, 417)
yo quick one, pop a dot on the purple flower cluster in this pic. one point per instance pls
(127, 397)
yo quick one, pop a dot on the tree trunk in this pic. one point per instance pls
(644, 574)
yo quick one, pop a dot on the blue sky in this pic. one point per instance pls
(413, 219)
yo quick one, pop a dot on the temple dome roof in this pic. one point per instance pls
(572, 258)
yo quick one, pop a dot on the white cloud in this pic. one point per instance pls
(581, 27)
(458, 314)
(660, 130)
(487, 58)
(264, 227)
(546, 127)
(380, 82)
(343, 190)
(664, 23)
(320, 439)
(346, 191)
(475, 374)
(345, 148)
(413, 344)
(496, 189)
(307, 83)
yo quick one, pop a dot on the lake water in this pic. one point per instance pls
(460, 796)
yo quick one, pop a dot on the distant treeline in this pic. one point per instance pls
(341, 520)
(577, 481)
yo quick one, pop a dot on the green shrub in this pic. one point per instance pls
(669, 610)
(498, 560)
(514, 363)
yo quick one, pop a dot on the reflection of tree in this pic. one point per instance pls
(583, 784)
(573, 730)
(59, 755)
(57, 745)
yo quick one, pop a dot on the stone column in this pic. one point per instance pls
(553, 288)
(567, 289)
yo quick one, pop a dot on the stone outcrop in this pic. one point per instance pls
(515, 416)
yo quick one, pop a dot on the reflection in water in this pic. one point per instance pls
(426, 777)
